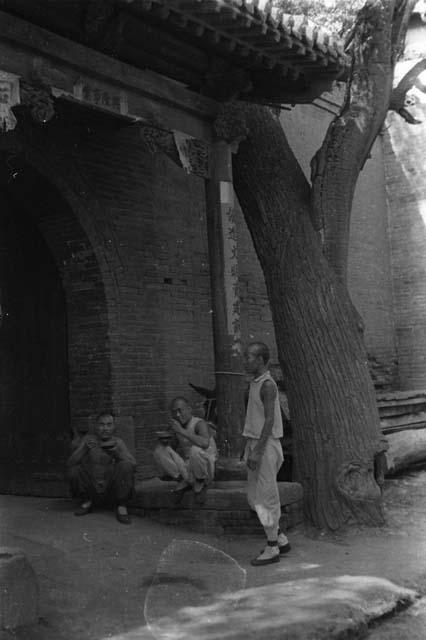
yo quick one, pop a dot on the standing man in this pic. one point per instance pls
(101, 470)
(263, 453)
(193, 464)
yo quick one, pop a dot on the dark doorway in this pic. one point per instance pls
(34, 406)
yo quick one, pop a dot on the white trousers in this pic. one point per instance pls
(199, 466)
(262, 487)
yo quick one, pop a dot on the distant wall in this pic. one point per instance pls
(406, 186)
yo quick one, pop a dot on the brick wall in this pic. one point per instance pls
(369, 270)
(256, 319)
(162, 337)
(128, 233)
(406, 186)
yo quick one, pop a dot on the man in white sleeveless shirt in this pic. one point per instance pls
(263, 453)
(193, 464)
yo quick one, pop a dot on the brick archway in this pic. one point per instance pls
(57, 251)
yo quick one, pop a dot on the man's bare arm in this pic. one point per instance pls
(79, 452)
(201, 437)
(268, 393)
(121, 452)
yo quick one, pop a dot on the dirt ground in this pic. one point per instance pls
(99, 579)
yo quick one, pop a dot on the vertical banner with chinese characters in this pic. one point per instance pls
(9, 97)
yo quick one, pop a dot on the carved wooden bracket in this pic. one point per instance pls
(230, 124)
(39, 100)
(189, 153)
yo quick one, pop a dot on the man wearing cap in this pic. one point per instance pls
(192, 461)
(263, 429)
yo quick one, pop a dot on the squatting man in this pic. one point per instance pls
(101, 470)
(263, 455)
(191, 459)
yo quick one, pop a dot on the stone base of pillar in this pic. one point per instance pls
(19, 592)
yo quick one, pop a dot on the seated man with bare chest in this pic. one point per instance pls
(101, 470)
(192, 462)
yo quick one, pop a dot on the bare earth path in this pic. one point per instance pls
(99, 579)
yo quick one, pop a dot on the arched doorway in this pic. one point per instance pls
(34, 404)
(57, 289)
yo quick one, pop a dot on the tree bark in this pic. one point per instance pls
(331, 397)
(377, 40)
(337, 164)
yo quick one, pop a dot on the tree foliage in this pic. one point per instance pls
(335, 16)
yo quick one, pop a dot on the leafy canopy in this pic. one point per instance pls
(336, 16)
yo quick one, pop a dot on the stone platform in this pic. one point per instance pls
(224, 511)
(403, 421)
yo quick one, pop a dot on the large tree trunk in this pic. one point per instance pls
(332, 402)
(375, 42)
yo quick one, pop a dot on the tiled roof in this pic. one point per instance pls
(286, 25)
(219, 48)
(252, 27)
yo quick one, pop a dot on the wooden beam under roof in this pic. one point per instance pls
(37, 55)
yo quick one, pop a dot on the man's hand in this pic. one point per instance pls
(252, 464)
(91, 442)
(175, 426)
(254, 458)
(115, 452)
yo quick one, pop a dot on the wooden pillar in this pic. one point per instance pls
(222, 240)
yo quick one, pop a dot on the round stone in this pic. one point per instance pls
(18, 589)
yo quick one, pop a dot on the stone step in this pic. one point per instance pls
(401, 408)
(225, 509)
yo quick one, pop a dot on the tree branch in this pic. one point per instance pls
(376, 43)
(398, 97)
(336, 166)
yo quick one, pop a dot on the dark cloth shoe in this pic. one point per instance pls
(284, 548)
(201, 494)
(82, 511)
(179, 492)
(124, 518)
(269, 555)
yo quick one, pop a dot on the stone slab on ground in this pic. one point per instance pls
(225, 510)
(406, 448)
(336, 608)
(18, 589)
(410, 625)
